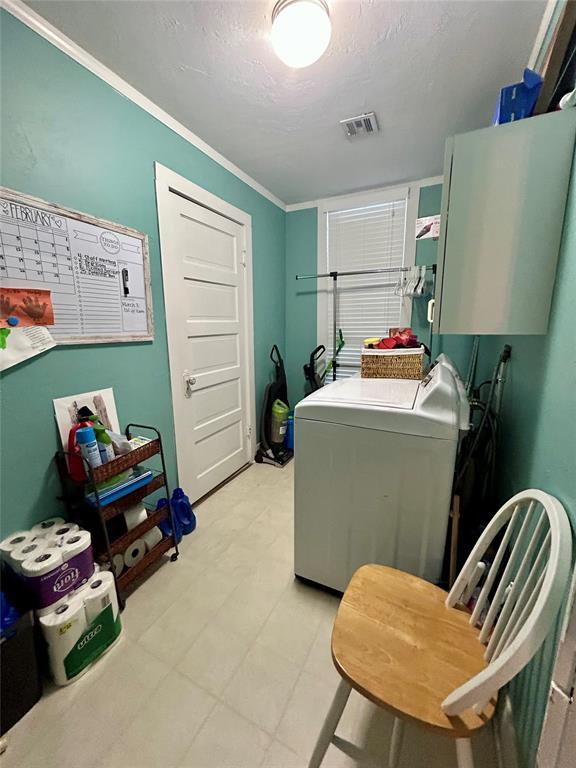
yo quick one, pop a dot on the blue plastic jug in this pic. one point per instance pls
(184, 517)
(289, 439)
(182, 510)
(166, 526)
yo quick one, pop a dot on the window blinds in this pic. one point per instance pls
(371, 237)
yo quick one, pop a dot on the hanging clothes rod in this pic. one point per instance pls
(335, 275)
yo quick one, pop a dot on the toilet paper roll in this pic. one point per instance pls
(15, 541)
(101, 593)
(117, 564)
(31, 549)
(76, 593)
(81, 591)
(75, 543)
(47, 526)
(56, 538)
(62, 629)
(134, 553)
(43, 563)
(152, 537)
(43, 611)
(135, 515)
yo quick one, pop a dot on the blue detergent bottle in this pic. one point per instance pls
(289, 439)
(165, 525)
(182, 510)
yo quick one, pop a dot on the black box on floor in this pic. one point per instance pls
(20, 679)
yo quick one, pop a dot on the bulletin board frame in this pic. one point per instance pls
(57, 210)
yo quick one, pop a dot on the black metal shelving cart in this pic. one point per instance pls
(105, 520)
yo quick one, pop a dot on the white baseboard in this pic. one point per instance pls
(505, 734)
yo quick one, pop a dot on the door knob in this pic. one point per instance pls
(190, 381)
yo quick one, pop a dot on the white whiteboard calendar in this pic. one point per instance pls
(97, 272)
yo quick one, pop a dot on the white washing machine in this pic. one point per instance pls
(374, 463)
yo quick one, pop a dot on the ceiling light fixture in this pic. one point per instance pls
(301, 31)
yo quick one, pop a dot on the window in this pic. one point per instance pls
(362, 237)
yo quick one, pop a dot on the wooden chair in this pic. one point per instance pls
(417, 651)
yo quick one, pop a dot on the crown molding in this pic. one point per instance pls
(428, 182)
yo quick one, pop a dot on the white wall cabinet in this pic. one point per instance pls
(503, 204)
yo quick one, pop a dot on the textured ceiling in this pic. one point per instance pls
(428, 69)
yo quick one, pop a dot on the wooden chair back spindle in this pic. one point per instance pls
(520, 591)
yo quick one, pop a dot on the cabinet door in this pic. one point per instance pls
(504, 209)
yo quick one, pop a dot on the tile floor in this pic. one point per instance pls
(224, 662)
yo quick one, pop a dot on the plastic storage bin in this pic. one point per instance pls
(518, 100)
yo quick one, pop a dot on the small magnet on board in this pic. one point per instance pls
(12, 321)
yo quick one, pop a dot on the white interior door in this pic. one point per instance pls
(205, 293)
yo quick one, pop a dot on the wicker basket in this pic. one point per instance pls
(392, 363)
(126, 461)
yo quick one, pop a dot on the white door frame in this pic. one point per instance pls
(167, 183)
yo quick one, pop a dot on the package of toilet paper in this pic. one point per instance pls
(53, 559)
(59, 569)
(83, 628)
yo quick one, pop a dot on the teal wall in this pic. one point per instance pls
(301, 259)
(538, 442)
(69, 138)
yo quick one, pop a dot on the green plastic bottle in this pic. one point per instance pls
(104, 441)
(280, 413)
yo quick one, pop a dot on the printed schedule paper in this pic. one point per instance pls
(97, 272)
(20, 344)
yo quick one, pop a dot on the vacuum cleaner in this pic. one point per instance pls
(316, 370)
(312, 373)
(271, 451)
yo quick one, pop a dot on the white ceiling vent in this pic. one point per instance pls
(365, 124)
